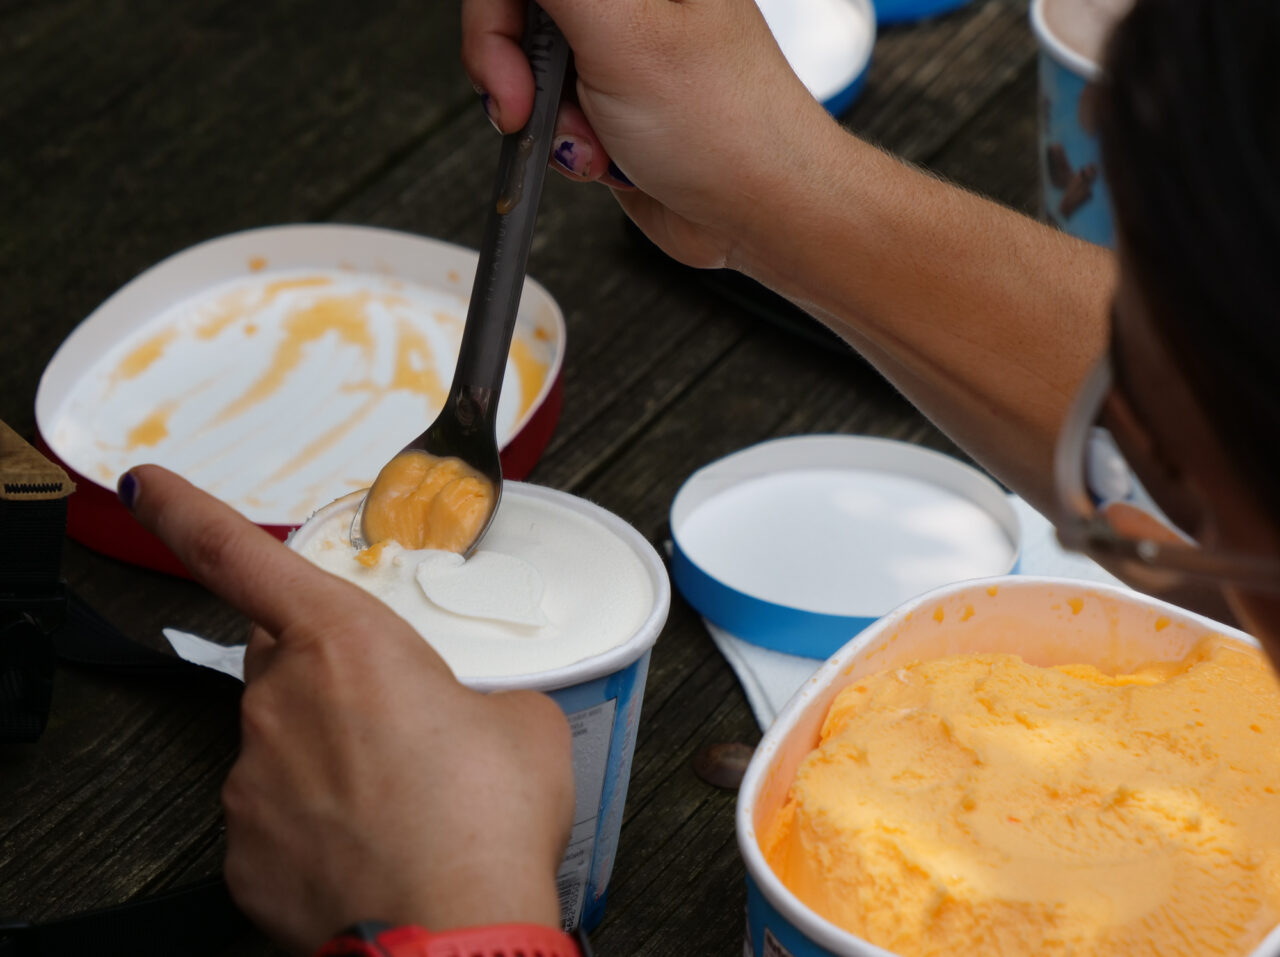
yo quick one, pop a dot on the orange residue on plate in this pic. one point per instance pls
(967, 613)
(226, 310)
(541, 334)
(1162, 623)
(452, 276)
(448, 319)
(330, 437)
(152, 430)
(257, 264)
(234, 306)
(274, 289)
(343, 316)
(531, 371)
(414, 371)
(993, 590)
(251, 329)
(1077, 605)
(415, 368)
(142, 356)
(938, 614)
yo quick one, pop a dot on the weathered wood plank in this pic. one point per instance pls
(928, 80)
(996, 153)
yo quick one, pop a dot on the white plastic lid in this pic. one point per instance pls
(797, 544)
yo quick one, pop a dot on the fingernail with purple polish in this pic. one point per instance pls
(490, 109)
(619, 175)
(572, 156)
(127, 490)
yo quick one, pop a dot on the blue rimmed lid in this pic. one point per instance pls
(798, 544)
(827, 42)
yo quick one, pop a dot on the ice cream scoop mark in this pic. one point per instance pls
(489, 585)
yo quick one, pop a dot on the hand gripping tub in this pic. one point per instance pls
(601, 697)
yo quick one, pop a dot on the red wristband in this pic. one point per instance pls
(372, 939)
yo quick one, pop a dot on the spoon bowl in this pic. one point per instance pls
(465, 429)
(449, 437)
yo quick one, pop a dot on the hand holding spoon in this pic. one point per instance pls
(451, 472)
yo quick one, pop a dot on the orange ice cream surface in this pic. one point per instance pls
(421, 501)
(980, 805)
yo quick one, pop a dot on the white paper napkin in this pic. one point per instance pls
(229, 659)
(770, 678)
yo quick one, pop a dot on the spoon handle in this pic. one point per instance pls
(508, 232)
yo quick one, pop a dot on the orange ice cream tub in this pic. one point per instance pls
(1081, 639)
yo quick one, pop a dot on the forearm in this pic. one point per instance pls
(986, 320)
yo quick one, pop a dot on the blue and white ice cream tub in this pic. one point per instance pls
(600, 694)
(1074, 190)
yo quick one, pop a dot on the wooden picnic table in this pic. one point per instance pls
(131, 130)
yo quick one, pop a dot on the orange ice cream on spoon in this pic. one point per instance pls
(977, 804)
(421, 501)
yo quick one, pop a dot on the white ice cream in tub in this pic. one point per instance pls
(562, 597)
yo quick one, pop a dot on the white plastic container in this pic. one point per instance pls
(1047, 621)
(600, 695)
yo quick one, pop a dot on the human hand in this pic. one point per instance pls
(692, 100)
(370, 783)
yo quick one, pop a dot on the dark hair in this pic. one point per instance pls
(1190, 124)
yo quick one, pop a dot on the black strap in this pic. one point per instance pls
(88, 640)
(197, 918)
(192, 920)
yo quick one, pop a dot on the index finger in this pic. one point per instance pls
(495, 61)
(224, 551)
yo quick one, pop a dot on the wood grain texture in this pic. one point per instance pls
(134, 129)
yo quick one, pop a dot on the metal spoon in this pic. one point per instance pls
(466, 426)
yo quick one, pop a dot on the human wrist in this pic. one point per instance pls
(490, 888)
(790, 203)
